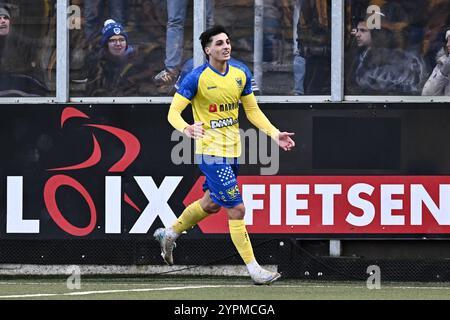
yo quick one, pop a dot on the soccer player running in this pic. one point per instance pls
(214, 90)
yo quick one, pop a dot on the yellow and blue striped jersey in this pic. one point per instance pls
(215, 102)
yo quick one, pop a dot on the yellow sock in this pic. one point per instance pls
(241, 240)
(192, 215)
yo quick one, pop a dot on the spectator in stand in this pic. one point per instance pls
(93, 12)
(176, 14)
(20, 73)
(438, 84)
(312, 47)
(299, 63)
(379, 67)
(119, 69)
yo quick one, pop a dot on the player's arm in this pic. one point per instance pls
(179, 103)
(257, 117)
(259, 120)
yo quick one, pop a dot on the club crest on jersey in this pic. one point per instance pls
(233, 192)
(239, 82)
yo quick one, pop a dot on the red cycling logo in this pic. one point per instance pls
(132, 148)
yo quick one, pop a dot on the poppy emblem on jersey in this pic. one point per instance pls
(239, 82)
(213, 107)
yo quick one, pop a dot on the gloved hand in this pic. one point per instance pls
(445, 68)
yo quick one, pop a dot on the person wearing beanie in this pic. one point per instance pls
(20, 72)
(4, 11)
(113, 41)
(5, 17)
(118, 67)
(85, 46)
(113, 32)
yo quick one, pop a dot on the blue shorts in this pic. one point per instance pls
(221, 174)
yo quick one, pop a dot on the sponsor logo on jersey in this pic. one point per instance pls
(213, 107)
(221, 123)
(228, 106)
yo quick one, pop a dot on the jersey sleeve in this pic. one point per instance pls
(179, 103)
(248, 82)
(185, 70)
(257, 117)
(189, 86)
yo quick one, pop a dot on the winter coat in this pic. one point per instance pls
(21, 74)
(383, 71)
(118, 77)
(438, 84)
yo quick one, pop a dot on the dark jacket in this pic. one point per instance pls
(20, 71)
(110, 76)
(385, 71)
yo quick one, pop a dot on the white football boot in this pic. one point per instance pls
(264, 277)
(167, 244)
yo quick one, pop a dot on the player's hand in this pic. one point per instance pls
(285, 141)
(195, 131)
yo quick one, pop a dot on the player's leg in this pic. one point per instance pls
(222, 183)
(241, 241)
(193, 214)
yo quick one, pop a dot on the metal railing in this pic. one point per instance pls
(337, 66)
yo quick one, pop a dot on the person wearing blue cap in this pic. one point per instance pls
(115, 39)
(118, 69)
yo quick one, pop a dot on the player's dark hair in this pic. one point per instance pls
(206, 36)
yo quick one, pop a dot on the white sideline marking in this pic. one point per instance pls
(7, 283)
(82, 293)
(364, 287)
